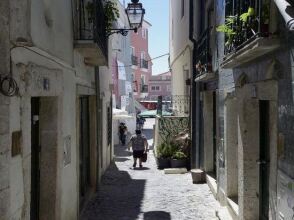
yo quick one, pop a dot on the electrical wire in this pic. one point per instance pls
(166, 54)
(8, 86)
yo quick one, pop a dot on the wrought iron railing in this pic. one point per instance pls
(89, 23)
(203, 58)
(144, 89)
(248, 19)
(180, 104)
(144, 64)
(134, 60)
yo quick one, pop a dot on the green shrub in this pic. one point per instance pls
(179, 155)
(166, 150)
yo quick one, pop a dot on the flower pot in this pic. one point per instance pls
(163, 163)
(175, 163)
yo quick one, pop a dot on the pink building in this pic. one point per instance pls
(141, 64)
(160, 85)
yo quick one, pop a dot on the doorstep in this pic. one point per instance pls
(223, 214)
(233, 208)
(175, 171)
(211, 182)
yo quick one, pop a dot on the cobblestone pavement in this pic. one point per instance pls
(148, 194)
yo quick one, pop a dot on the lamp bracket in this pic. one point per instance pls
(123, 32)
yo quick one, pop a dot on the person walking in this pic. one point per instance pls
(122, 133)
(139, 145)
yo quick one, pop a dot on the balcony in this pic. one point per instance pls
(90, 33)
(134, 60)
(247, 32)
(144, 64)
(204, 58)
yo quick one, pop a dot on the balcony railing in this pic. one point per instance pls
(89, 26)
(144, 89)
(144, 64)
(180, 104)
(134, 60)
(203, 58)
(248, 20)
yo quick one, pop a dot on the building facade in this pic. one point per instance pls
(181, 48)
(122, 74)
(245, 104)
(55, 120)
(141, 61)
(160, 85)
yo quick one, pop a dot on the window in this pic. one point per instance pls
(143, 61)
(144, 33)
(143, 80)
(133, 51)
(155, 88)
(168, 88)
(182, 8)
(142, 55)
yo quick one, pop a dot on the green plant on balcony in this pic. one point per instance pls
(111, 14)
(250, 13)
(227, 29)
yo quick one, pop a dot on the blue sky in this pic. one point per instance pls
(157, 13)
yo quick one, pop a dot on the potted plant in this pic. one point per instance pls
(179, 160)
(163, 155)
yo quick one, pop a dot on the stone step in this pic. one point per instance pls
(175, 170)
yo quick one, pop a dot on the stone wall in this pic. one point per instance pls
(4, 111)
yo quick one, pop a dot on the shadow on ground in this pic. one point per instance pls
(157, 215)
(119, 196)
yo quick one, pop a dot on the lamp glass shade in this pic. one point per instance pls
(135, 13)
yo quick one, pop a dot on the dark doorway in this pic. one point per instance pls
(264, 160)
(85, 177)
(201, 133)
(35, 159)
(214, 135)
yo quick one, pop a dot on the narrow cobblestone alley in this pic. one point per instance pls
(147, 193)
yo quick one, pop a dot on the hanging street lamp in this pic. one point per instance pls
(135, 13)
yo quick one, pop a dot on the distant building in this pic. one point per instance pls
(121, 69)
(160, 85)
(141, 64)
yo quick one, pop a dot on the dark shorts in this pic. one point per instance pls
(138, 153)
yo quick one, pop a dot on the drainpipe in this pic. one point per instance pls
(98, 122)
(287, 11)
(195, 162)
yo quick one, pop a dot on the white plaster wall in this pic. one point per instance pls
(51, 27)
(106, 94)
(179, 28)
(63, 86)
(180, 50)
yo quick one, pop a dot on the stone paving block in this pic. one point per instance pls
(128, 193)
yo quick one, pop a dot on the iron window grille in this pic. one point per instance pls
(250, 20)
(89, 23)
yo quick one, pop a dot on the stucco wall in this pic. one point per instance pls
(4, 111)
(179, 28)
(47, 26)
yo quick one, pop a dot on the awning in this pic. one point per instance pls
(287, 11)
(153, 113)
